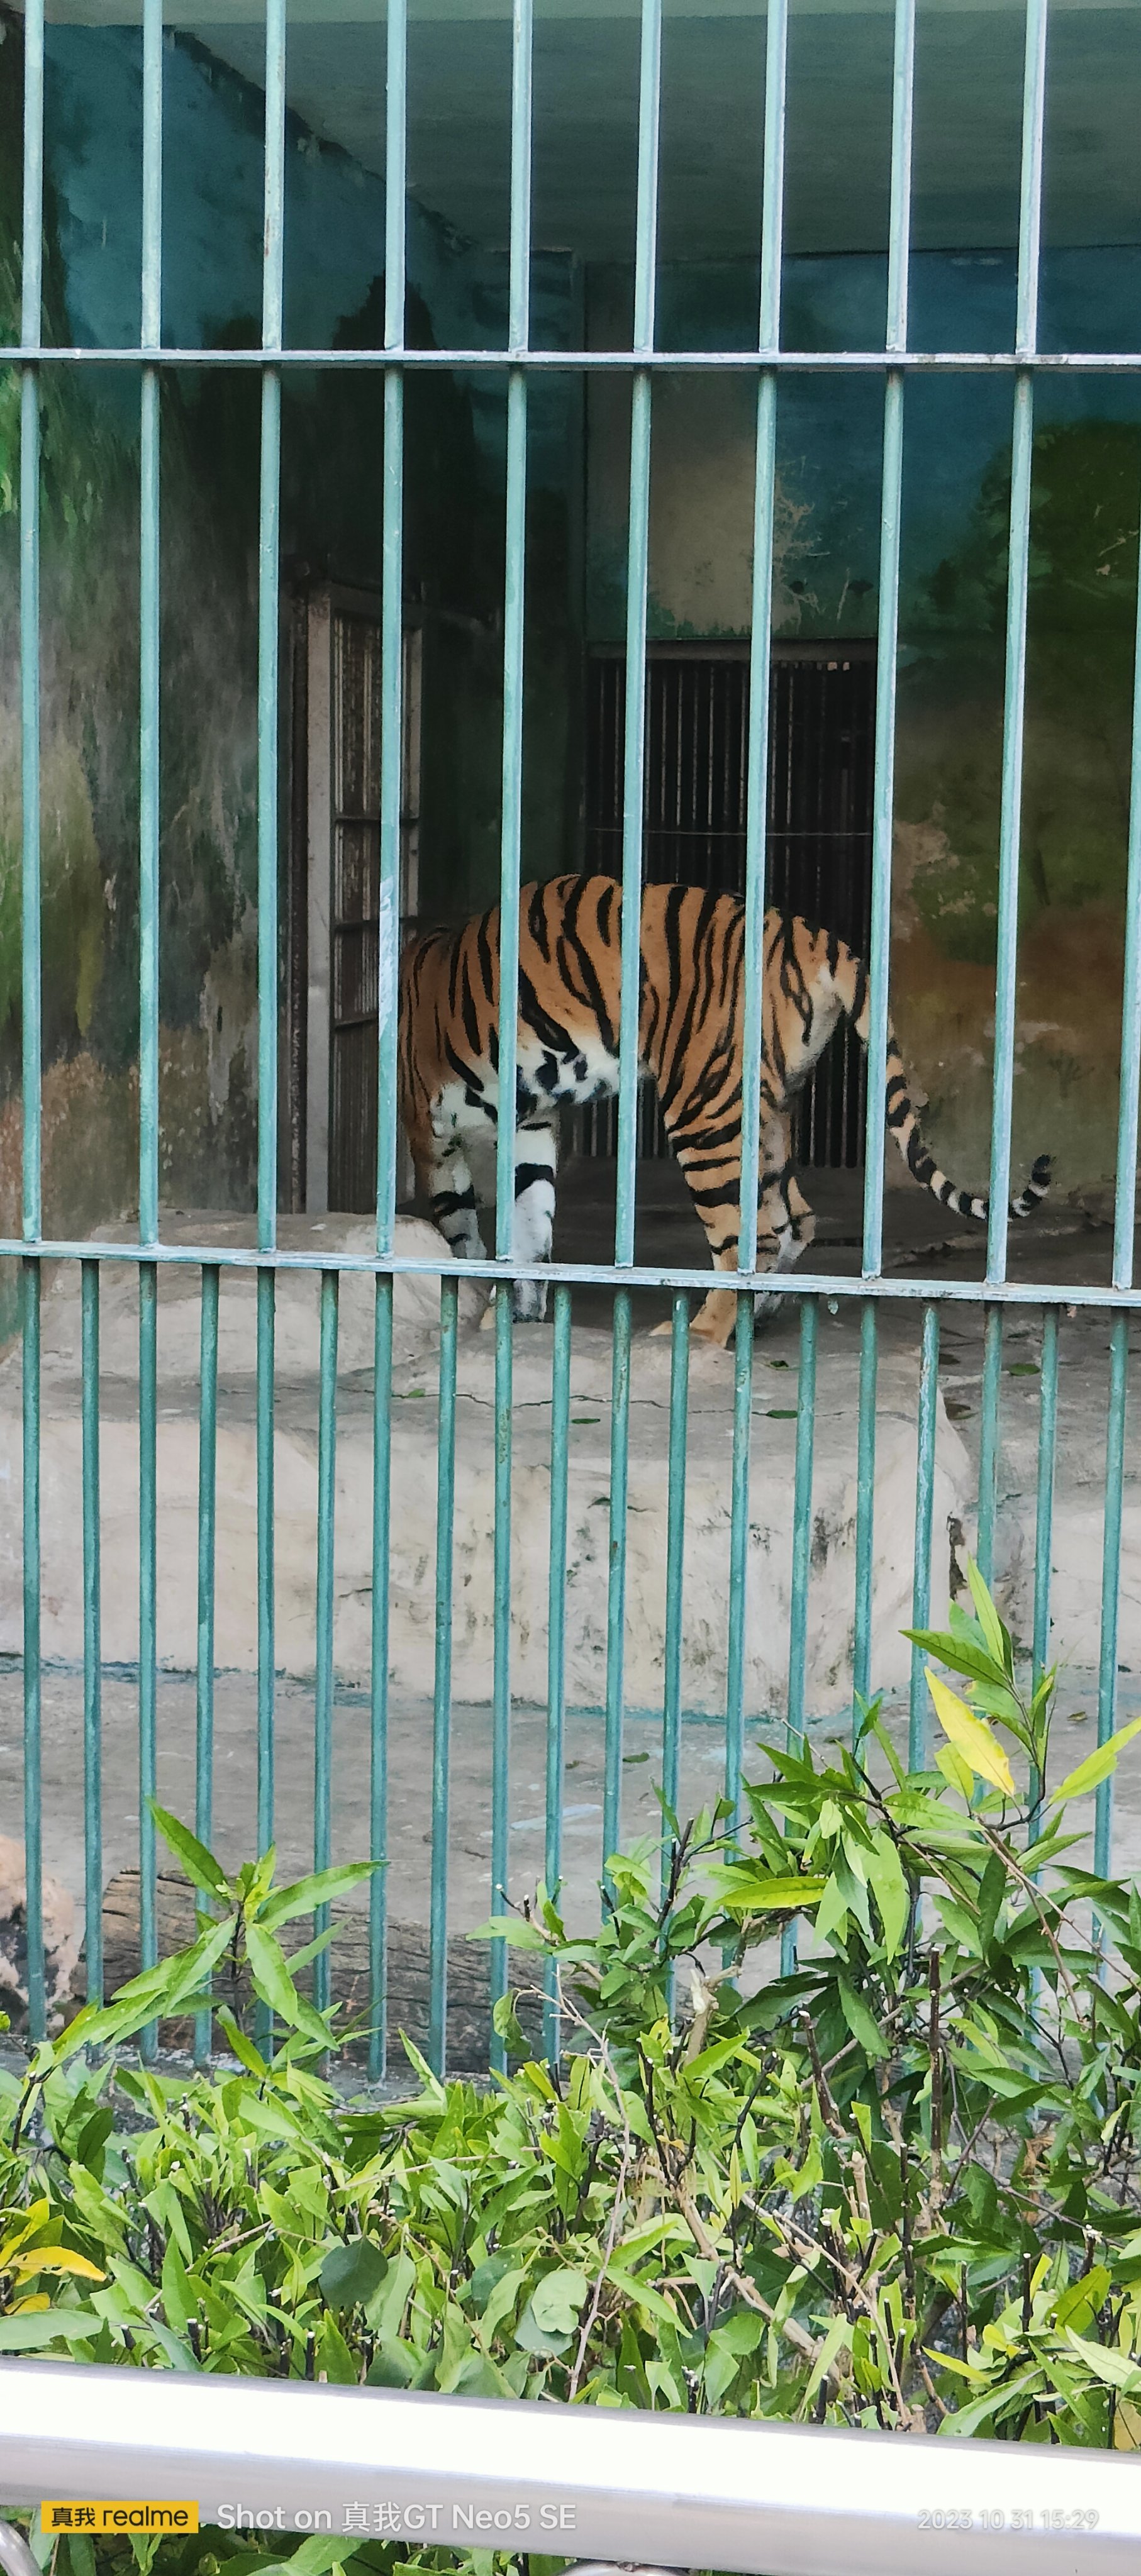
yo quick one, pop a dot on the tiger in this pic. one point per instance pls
(690, 1039)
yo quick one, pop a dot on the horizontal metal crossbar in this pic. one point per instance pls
(748, 362)
(805, 1285)
(625, 2486)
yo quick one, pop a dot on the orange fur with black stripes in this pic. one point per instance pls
(689, 1044)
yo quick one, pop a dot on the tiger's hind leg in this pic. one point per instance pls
(445, 1177)
(785, 1230)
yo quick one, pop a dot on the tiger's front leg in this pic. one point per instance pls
(536, 1162)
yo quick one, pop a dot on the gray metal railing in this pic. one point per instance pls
(458, 2473)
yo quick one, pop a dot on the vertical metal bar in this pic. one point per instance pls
(509, 871)
(1111, 1581)
(738, 1553)
(149, 612)
(556, 1639)
(616, 1596)
(148, 1609)
(633, 806)
(207, 1556)
(391, 631)
(989, 1440)
(388, 947)
(267, 790)
(442, 1696)
(675, 1560)
(802, 1522)
(760, 650)
(883, 789)
(501, 1628)
(265, 1555)
(31, 1039)
(1125, 1197)
(92, 1647)
(924, 1508)
(1014, 710)
(149, 754)
(378, 1696)
(801, 1563)
(637, 582)
(326, 1545)
(31, 299)
(1044, 1518)
(865, 1507)
(33, 1814)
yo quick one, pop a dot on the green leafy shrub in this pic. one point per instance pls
(894, 2184)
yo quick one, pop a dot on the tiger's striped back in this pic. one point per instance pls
(690, 1014)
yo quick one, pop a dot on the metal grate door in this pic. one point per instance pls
(821, 734)
(354, 913)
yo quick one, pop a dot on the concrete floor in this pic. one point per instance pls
(1064, 1246)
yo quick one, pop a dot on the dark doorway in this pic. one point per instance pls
(822, 731)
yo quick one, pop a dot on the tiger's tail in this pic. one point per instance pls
(903, 1121)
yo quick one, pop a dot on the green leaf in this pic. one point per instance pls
(304, 1895)
(1116, 2369)
(959, 1655)
(351, 2274)
(892, 1894)
(200, 1865)
(315, 2556)
(249, 2056)
(955, 1770)
(1096, 1767)
(507, 2026)
(992, 1889)
(997, 1637)
(272, 1981)
(39, 2327)
(157, 1992)
(970, 1736)
(556, 2301)
(514, 1928)
(754, 1891)
(859, 2020)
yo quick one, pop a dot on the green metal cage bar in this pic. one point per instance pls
(675, 1563)
(92, 1638)
(556, 1638)
(865, 1510)
(633, 799)
(388, 945)
(760, 647)
(442, 1693)
(31, 1025)
(207, 1561)
(149, 617)
(514, 590)
(989, 1440)
(883, 805)
(323, 1679)
(738, 1550)
(269, 541)
(1044, 1514)
(918, 1728)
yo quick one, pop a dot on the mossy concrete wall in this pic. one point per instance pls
(332, 447)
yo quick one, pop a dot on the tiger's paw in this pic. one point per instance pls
(529, 1300)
